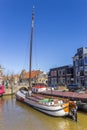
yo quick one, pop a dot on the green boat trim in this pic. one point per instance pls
(46, 100)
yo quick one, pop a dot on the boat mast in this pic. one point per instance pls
(31, 39)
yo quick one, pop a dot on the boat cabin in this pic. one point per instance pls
(37, 88)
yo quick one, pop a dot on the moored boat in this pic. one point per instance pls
(52, 106)
(2, 91)
(82, 106)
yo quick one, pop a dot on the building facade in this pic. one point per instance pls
(37, 76)
(80, 66)
(61, 76)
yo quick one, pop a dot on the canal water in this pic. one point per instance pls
(17, 116)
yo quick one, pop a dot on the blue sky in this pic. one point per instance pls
(60, 28)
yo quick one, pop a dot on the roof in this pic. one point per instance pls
(34, 74)
(16, 76)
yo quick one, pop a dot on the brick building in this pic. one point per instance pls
(60, 76)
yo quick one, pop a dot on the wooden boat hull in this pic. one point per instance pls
(57, 111)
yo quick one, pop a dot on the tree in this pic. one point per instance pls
(22, 75)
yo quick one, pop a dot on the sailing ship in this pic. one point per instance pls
(52, 106)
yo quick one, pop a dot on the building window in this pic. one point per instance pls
(63, 80)
(81, 68)
(81, 63)
(59, 72)
(85, 61)
(85, 70)
(63, 71)
(51, 73)
(76, 71)
(82, 73)
(54, 73)
(54, 81)
(77, 80)
(76, 62)
(86, 80)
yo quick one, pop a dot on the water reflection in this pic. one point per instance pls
(17, 116)
(1, 104)
(44, 122)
